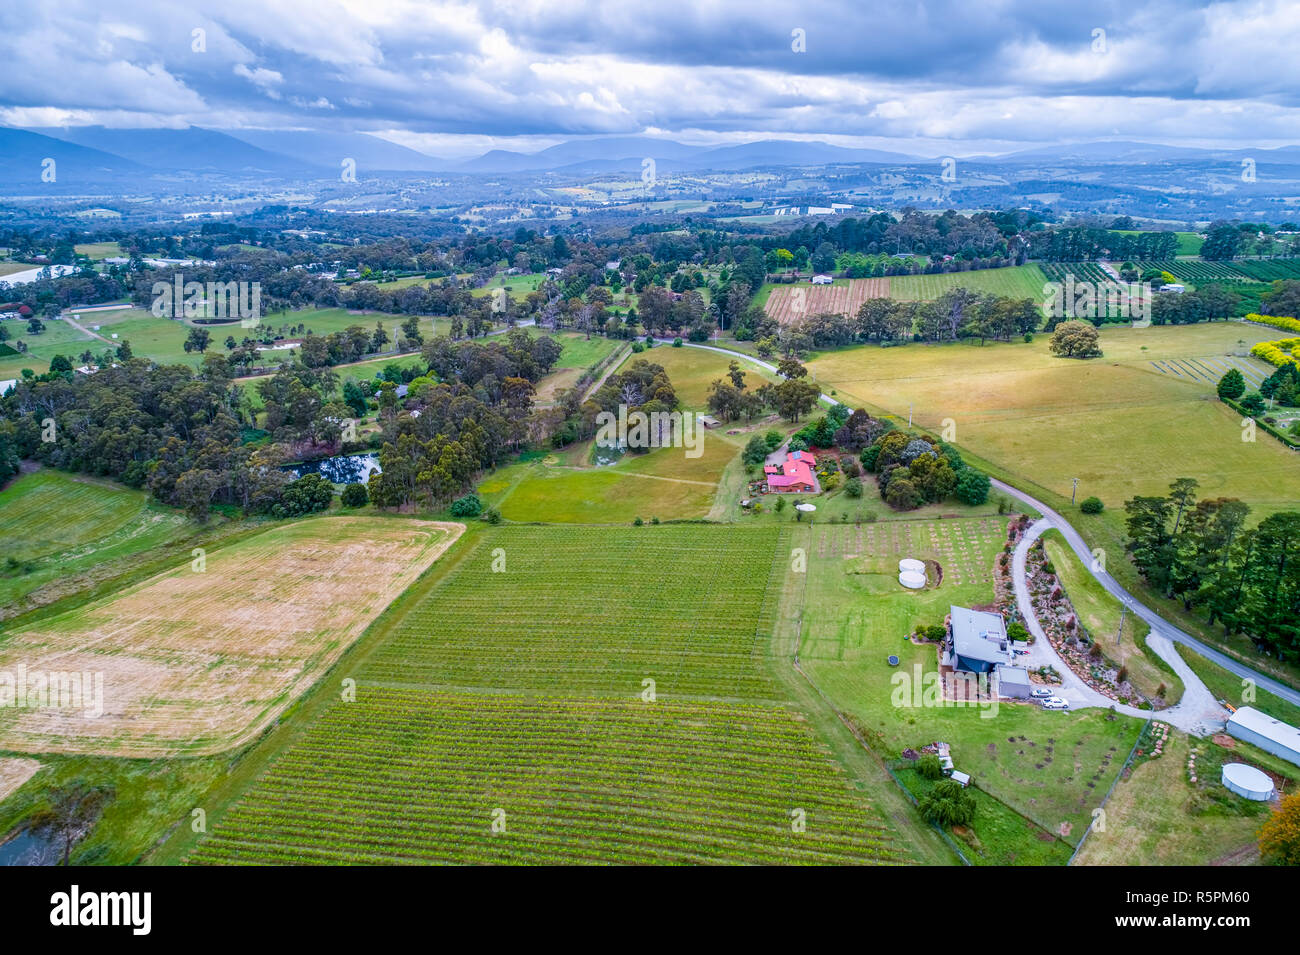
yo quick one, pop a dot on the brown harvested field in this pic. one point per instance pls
(789, 303)
(199, 661)
(14, 772)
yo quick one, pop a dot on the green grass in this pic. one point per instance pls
(67, 528)
(59, 338)
(1157, 817)
(1230, 687)
(98, 250)
(1117, 423)
(521, 690)
(1018, 281)
(693, 370)
(1099, 612)
(150, 797)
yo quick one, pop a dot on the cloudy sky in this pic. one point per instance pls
(929, 77)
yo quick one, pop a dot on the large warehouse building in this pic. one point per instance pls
(1260, 729)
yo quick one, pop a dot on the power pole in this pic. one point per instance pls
(1074, 489)
(909, 414)
(1119, 633)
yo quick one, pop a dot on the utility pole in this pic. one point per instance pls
(1119, 633)
(909, 414)
(1074, 489)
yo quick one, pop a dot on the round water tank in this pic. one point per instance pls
(912, 564)
(1247, 781)
(911, 579)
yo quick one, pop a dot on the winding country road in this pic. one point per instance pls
(1198, 706)
(1198, 712)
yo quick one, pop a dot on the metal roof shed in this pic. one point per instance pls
(1259, 729)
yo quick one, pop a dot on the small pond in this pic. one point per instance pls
(340, 469)
(26, 848)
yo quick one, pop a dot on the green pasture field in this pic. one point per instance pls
(491, 694)
(1121, 424)
(1017, 281)
(66, 527)
(59, 338)
(98, 250)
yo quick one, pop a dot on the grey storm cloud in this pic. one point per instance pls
(1006, 70)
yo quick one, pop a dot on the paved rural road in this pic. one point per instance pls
(1197, 712)
(1163, 633)
(1159, 626)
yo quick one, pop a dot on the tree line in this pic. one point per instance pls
(1200, 551)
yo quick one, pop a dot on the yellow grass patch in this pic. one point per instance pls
(14, 772)
(199, 661)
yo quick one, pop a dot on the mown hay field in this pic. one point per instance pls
(200, 658)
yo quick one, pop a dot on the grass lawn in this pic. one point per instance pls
(59, 338)
(161, 339)
(1099, 612)
(517, 285)
(98, 250)
(65, 526)
(661, 483)
(1159, 817)
(693, 370)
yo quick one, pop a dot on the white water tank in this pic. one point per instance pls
(911, 579)
(912, 564)
(1247, 781)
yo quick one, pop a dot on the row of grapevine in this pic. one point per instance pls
(409, 776)
(593, 611)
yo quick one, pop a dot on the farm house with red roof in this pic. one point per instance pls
(795, 474)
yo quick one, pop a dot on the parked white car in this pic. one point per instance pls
(1055, 703)
(1040, 693)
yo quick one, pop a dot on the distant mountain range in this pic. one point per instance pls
(87, 158)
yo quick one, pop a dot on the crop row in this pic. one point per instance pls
(595, 611)
(411, 776)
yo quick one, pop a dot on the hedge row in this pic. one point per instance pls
(1285, 438)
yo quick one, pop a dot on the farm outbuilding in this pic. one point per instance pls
(1247, 781)
(1259, 729)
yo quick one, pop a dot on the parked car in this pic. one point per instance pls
(1055, 703)
(1040, 693)
(1021, 653)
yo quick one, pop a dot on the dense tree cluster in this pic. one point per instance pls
(1202, 552)
(917, 469)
